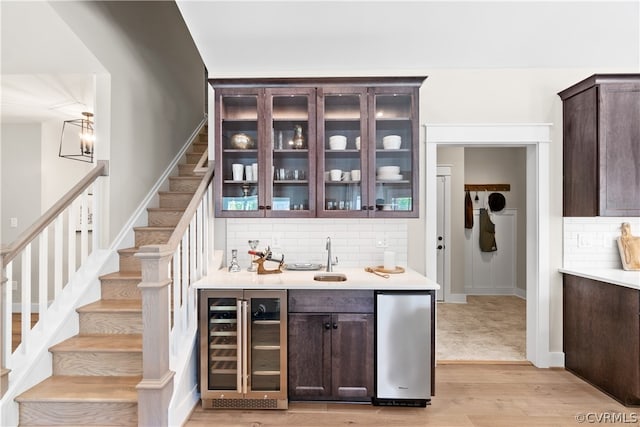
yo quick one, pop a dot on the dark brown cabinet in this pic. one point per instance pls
(601, 146)
(283, 137)
(601, 336)
(331, 345)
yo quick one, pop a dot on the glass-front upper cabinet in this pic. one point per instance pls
(393, 155)
(290, 116)
(342, 146)
(239, 135)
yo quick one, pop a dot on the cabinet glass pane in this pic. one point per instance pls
(240, 141)
(393, 149)
(342, 152)
(223, 343)
(290, 153)
(265, 344)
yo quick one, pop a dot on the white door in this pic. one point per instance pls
(443, 203)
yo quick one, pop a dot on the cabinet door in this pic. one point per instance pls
(352, 351)
(290, 167)
(620, 150)
(221, 345)
(342, 146)
(240, 138)
(393, 153)
(267, 344)
(309, 356)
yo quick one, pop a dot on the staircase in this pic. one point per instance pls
(95, 373)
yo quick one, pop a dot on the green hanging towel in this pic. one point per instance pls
(487, 233)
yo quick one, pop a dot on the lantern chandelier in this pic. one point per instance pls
(77, 140)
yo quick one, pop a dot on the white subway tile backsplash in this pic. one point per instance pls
(590, 242)
(353, 240)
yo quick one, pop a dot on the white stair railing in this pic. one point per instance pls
(64, 231)
(169, 309)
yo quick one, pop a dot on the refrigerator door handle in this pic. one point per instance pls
(245, 345)
(239, 346)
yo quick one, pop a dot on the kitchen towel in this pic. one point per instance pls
(468, 211)
(487, 233)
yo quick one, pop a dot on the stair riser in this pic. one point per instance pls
(193, 157)
(203, 137)
(120, 289)
(186, 169)
(78, 413)
(199, 147)
(175, 200)
(188, 185)
(129, 263)
(152, 237)
(97, 363)
(164, 218)
(110, 323)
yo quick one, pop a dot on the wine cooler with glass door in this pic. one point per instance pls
(243, 349)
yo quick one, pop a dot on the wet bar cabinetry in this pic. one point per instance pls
(284, 136)
(601, 144)
(243, 349)
(601, 336)
(331, 356)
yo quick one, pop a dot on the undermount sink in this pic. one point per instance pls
(330, 277)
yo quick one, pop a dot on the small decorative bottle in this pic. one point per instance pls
(298, 138)
(234, 266)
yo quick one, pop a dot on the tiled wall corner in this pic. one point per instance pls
(304, 240)
(590, 243)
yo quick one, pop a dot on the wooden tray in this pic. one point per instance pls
(381, 269)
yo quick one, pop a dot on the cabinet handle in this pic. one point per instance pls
(327, 326)
(260, 207)
(364, 208)
(335, 325)
(371, 208)
(268, 207)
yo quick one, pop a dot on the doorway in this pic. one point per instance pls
(535, 138)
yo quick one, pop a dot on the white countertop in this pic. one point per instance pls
(357, 278)
(629, 279)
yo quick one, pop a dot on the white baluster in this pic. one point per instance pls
(43, 280)
(71, 240)
(57, 257)
(7, 322)
(26, 295)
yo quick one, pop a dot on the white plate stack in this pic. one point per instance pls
(389, 173)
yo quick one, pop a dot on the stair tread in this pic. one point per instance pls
(133, 249)
(81, 388)
(186, 177)
(112, 305)
(167, 209)
(180, 193)
(122, 275)
(154, 228)
(113, 343)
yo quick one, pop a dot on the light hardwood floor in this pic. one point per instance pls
(479, 395)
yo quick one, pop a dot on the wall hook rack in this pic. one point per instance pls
(487, 187)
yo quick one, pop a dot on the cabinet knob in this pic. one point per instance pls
(371, 208)
(440, 246)
(335, 325)
(268, 207)
(364, 208)
(327, 326)
(260, 207)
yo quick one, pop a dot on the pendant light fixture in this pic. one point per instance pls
(77, 140)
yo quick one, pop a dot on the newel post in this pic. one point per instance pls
(156, 388)
(4, 372)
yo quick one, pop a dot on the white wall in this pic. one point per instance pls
(501, 166)
(157, 86)
(21, 171)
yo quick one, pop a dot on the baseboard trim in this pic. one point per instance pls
(456, 298)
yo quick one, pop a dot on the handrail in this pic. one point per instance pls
(10, 251)
(181, 227)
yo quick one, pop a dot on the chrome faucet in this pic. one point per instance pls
(329, 265)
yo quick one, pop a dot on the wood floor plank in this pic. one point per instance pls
(478, 395)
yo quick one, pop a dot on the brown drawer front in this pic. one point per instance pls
(326, 301)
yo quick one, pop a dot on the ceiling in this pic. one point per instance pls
(302, 38)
